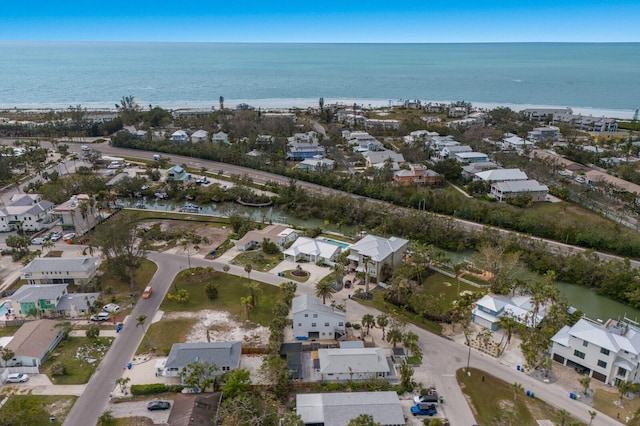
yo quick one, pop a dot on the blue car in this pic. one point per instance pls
(424, 410)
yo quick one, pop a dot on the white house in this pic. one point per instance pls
(338, 408)
(60, 270)
(220, 137)
(313, 320)
(78, 213)
(26, 210)
(315, 164)
(501, 175)
(511, 141)
(375, 254)
(544, 134)
(607, 352)
(199, 136)
(313, 250)
(490, 308)
(374, 158)
(179, 136)
(353, 364)
(503, 191)
(449, 149)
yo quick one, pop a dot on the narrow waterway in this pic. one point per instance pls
(595, 306)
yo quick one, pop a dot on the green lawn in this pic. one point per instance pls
(8, 331)
(606, 402)
(165, 333)
(442, 284)
(258, 260)
(115, 290)
(36, 409)
(78, 370)
(494, 400)
(230, 289)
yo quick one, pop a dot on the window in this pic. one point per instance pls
(315, 315)
(326, 324)
(340, 324)
(299, 324)
(585, 343)
(604, 351)
(578, 354)
(602, 364)
(622, 372)
(313, 324)
(306, 315)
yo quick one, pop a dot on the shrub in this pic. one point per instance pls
(211, 291)
(58, 369)
(154, 388)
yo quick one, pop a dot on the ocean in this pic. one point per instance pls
(595, 78)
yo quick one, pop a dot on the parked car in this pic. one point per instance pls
(424, 410)
(147, 292)
(56, 236)
(17, 378)
(111, 307)
(85, 148)
(69, 236)
(38, 240)
(102, 316)
(425, 399)
(158, 405)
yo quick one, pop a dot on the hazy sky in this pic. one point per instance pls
(322, 21)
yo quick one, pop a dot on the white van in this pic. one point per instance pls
(156, 157)
(85, 148)
(114, 165)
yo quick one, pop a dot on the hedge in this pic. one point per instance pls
(154, 388)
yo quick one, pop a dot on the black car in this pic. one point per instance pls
(158, 405)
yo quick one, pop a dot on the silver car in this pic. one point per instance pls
(17, 378)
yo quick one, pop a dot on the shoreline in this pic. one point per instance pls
(292, 103)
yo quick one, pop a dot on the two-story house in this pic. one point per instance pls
(79, 214)
(37, 300)
(607, 352)
(313, 320)
(377, 256)
(490, 308)
(417, 174)
(61, 270)
(304, 145)
(179, 136)
(28, 211)
(503, 191)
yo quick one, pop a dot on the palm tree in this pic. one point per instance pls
(509, 323)
(122, 382)
(585, 382)
(394, 336)
(517, 387)
(368, 321)
(247, 269)
(253, 288)
(382, 320)
(623, 388)
(324, 290)
(564, 416)
(247, 302)
(592, 415)
(459, 269)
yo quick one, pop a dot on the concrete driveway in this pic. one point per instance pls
(139, 409)
(316, 273)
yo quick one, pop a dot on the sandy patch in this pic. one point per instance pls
(220, 327)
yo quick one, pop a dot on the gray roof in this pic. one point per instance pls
(337, 409)
(378, 248)
(79, 300)
(35, 292)
(62, 264)
(501, 175)
(307, 302)
(520, 186)
(376, 157)
(353, 360)
(222, 354)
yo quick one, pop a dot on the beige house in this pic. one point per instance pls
(78, 213)
(33, 342)
(281, 235)
(61, 270)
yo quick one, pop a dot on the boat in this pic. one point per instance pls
(190, 208)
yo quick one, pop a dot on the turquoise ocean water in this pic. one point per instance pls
(596, 77)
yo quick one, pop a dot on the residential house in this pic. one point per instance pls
(416, 175)
(377, 124)
(194, 409)
(313, 250)
(179, 136)
(607, 352)
(28, 211)
(377, 256)
(225, 355)
(511, 141)
(469, 170)
(353, 364)
(457, 111)
(597, 178)
(362, 142)
(220, 137)
(61, 270)
(555, 161)
(544, 134)
(438, 142)
(339, 408)
(33, 342)
(76, 305)
(292, 353)
(490, 308)
(315, 164)
(265, 141)
(79, 214)
(449, 149)
(314, 320)
(281, 235)
(501, 175)
(176, 173)
(471, 157)
(545, 114)
(503, 191)
(380, 158)
(199, 136)
(304, 145)
(38, 299)
(419, 136)
(587, 122)
(473, 119)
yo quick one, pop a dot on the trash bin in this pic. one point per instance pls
(533, 394)
(528, 393)
(129, 365)
(518, 367)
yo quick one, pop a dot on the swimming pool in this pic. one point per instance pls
(336, 243)
(4, 308)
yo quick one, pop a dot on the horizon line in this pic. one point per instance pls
(318, 42)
